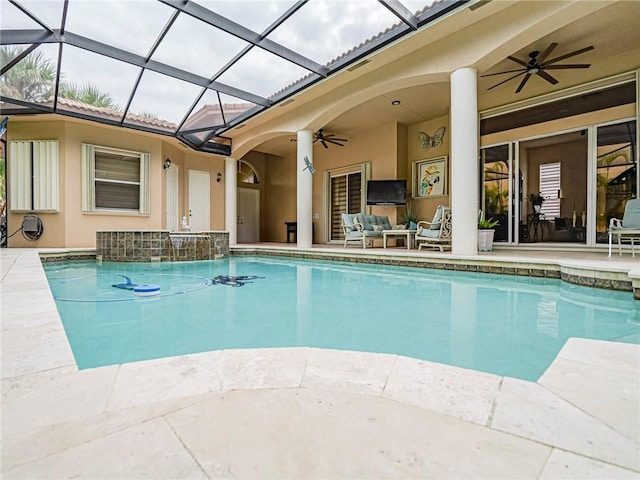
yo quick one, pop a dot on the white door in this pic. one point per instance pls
(248, 215)
(199, 198)
(172, 204)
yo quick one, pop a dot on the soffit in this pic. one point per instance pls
(612, 54)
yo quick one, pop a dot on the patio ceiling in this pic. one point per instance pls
(188, 69)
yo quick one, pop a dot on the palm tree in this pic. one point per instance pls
(88, 94)
(31, 79)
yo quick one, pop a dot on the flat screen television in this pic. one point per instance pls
(387, 192)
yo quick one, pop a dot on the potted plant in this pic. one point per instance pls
(410, 216)
(536, 200)
(486, 232)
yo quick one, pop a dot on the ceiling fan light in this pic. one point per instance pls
(533, 71)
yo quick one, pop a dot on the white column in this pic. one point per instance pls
(464, 161)
(231, 199)
(305, 190)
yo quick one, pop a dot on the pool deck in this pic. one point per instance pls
(307, 412)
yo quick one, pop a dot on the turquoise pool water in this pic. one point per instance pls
(505, 325)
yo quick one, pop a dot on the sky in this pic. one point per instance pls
(320, 30)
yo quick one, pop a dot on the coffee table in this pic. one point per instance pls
(409, 235)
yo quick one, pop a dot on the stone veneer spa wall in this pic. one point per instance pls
(160, 245)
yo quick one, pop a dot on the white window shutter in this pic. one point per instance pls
(145, 160)
(46, 176)
(550, 188)
(20, 176)
(88, 178)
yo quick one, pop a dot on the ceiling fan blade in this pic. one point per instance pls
(517, 60)
(505, 81)
(506, 71)
(523, 83)
(324, 144)
(562, 57)
(337, 139)
(547, 77)
(334, 142)
(547, 52)
(568, 65)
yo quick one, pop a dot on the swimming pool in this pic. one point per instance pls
(506, 325)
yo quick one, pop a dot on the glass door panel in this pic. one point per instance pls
(555, 168)
(346, 197)
(616, 173)
(495, 191)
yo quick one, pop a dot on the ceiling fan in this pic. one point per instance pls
(325, 138)
(538, 65)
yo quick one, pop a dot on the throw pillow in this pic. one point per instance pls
(357, 225)
(378, 228)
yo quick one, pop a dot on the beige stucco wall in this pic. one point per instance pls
(54, 223)
(426, 207)
(72, 228)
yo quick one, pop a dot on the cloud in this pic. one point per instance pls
(320, 30)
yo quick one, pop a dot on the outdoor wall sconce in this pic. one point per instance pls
(167, 163)
(219, 177)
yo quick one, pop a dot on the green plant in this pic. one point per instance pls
(484, 224)
(410, 213)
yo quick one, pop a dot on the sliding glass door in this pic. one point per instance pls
(497, 190)
(345, 191)
(616, 173)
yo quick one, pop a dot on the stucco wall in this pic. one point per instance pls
(72, 228)
(426, 207)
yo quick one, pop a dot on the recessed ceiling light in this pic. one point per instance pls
(395, 102)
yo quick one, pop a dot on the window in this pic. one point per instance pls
(343, 190)
(34, 176)
(550, 189)
(246, 173)
(114, 180)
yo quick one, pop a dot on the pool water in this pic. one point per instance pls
(505, 325)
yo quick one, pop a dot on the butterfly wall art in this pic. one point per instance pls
(435, 141)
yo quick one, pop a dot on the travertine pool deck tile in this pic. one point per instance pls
(340, 370)
(163, 456)
(54, 396)
(151, 381)
(301, 412)
(262, 368)
(589, 388)
(323, 434)
(569, 466)
(34, 349)
(528, 410)
(465, 394)
(27, 445)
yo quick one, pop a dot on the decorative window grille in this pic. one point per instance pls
(246, 173)
(34, 178)
(550, 189)
(114, 180)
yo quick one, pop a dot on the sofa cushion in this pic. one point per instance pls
(369, 221)
(384, 221)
